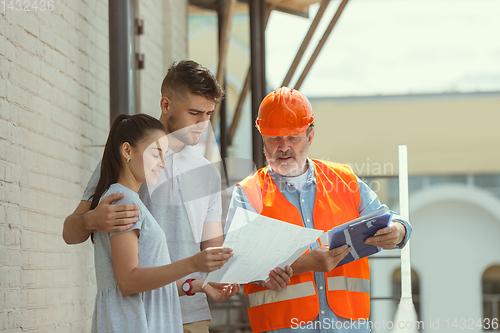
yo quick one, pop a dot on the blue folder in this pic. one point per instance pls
(355, 232)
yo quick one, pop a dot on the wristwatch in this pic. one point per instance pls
(187, 287)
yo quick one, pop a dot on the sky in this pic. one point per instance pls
(392, 47)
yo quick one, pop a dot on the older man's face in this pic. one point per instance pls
(287, 155)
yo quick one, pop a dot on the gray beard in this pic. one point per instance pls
(296, 171)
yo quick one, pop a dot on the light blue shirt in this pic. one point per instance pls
(303, 199)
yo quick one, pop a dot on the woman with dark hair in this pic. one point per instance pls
(135, 278)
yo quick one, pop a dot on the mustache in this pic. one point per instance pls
(288, 153)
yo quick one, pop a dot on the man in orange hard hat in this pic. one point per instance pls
(320, 297)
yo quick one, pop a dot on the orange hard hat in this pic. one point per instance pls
(283, 112)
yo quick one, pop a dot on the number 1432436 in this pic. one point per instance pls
(27, 5)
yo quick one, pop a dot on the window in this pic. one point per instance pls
(487, 181)
(491, 294)
(447, 179)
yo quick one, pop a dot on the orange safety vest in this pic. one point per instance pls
(348, 286)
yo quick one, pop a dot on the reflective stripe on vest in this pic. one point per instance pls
(348, 284)
(289, 292)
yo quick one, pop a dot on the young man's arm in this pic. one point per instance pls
(212, 235)
(217, 291)
(75, 230)
(105, 217)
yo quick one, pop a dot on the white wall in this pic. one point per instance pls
(456, 240)
(54, 106)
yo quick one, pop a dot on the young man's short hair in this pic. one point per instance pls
(188, 76)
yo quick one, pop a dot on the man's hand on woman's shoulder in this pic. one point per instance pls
(112, 218)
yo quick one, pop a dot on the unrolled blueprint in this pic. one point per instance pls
(259, 245)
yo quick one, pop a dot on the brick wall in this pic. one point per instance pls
(54, 107)
(164, 41)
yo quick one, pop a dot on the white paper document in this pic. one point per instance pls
(259, 245)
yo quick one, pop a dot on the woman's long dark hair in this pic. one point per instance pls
(125, 128)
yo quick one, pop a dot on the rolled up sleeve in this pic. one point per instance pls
(369, 202)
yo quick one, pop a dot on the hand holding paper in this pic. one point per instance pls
(278, 278)
(259, 245)
(321, 259)
(211, 259)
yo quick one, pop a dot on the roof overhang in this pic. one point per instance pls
(294, 7)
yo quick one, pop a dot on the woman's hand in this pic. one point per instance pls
(211, 259)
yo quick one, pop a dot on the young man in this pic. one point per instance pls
(186, 201)
(312, 194)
